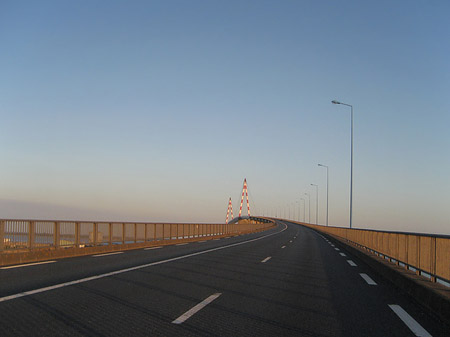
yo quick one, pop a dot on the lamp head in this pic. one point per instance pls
(335, 102)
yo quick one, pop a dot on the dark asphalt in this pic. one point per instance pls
(304, 289)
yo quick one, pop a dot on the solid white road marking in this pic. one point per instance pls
(196, 309)
(368, 279)
(120, 271)
(181, 244)
(350, 262)
(27, 265)
(410, 322)
(266, 259)
(107, 254)
(150, 248)
(202, 241)
(342, 254)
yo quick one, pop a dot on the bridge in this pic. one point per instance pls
(287, 278)
(250, 276)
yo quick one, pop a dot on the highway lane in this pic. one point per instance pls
(16, 280)
(306, 288)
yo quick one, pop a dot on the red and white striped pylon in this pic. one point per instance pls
(244, 189)
(229, 210)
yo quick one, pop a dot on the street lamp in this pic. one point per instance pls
(327, 188)
(303, 210)
(351, 159)
(317, 203)
(309, 207)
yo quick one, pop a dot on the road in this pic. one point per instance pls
(288, 281)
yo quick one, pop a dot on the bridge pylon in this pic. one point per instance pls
(229, 211)
(244, 190)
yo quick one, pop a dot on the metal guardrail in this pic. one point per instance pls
(426, 254)
(26, 235)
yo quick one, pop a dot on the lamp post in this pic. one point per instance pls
(303, 210)
(317, 203)
(351, 159)
(327, 188)
(309, 207)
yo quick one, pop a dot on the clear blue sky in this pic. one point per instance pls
(157, 110)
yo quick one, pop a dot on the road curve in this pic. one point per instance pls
(288, 281)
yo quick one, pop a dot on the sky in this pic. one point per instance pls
(158, 110)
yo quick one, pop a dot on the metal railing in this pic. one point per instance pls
(25, 235)
(426, 254)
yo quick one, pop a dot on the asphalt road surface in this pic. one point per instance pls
(288, 281)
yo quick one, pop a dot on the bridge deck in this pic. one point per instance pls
(286, 281)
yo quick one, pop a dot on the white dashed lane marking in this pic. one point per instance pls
(368, 279)
(100, 255)
(196, 309)
(410, 322)
(150, 248)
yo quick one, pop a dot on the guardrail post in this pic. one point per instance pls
(2, 235)
(123, 232)
(433, 259)
(111, 227)
(145, 232)
(95, 230)
(135, 232)
(56, 235)
(31, 234)
(407, 254)
(418, 255)
(77, 234)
